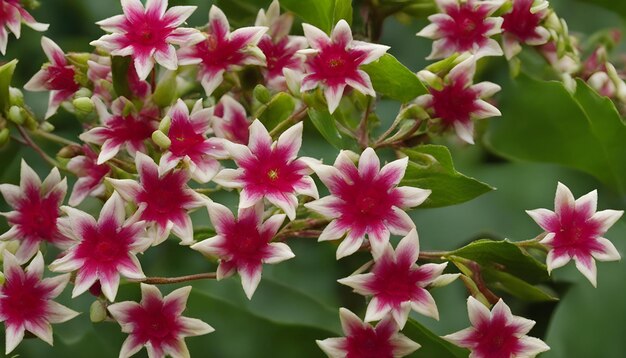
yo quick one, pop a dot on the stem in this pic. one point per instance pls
(393, 126)
(29, 142)
(169, 280)
(434, 255)
(54, 138)
(532, 243)
(208, 190)
(282, 236)
(292, 119)
(396, 141)
(363, 129)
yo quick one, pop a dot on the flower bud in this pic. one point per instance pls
(83, 104)
(83, 92)
(165, 92)
(16, 97)
(161, 139)
(262, 94)
(97, 311)
(164, 126)
(70, 151)
(4, 137)
(16, 115)
(46, 127)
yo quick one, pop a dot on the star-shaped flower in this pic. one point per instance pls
(222, 50)
(397, 283)
(11, 18)
(456, 101)
(58, 77)
(333, 62)
(26, 301)
(90, 175)
(365, 201)
(464, 26)
(362, 340)
(244, 244)
(574, 231)
(157, 323)
(269, 170)
(35, 214)
(497, 333)
(104, 249)
(523, 25)
(230, 120)
(147, 34)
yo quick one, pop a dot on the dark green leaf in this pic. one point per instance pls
(343, 10)
(277, 110)
(430, 167)
(325, 124)
(6, 75)
(615, 6)
(431, 344)
(318, 13)
(517, 287)
(393, 79)
(242, 12)
(119, 70)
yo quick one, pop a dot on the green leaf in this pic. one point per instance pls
(343, 10)
(506, 257)
(615, 6)
(165, 92)
(6, 75)
(277, 110)
(325, 124)
(543, 122)
(431, 344)
(393, 79)
(119, 70)
(430, 167)
(242, 12)
(516, 287)
(318, 13)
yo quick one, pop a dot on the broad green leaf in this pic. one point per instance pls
(119, 71)
(615, 6)
(504, 256)
(519, 288)
(6, 75)
(325, 124)
(318, 13)
(242, 12)
(277, 110)
(431, 344)
(342, 10)
(430, 167)
(543, 122)
(165, 92)
(393, 79)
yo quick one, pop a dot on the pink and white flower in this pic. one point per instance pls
(165, 199)
(464, 26)
(456, 101)
(222, 50)
(364, 340)
(148, 34)
(397, 283)
(122, 129)
(244, 244)
(333, 62)
(90, 175)
(523, 25)
(574, 231)
(26, 301)
(365, 201)
(35, 214)
(269, 169)
(100, 74)
(187, 134)
(12, 14)
(103, 249)
(497, 333)
(58, 77)
(230, 120)
(157, 323)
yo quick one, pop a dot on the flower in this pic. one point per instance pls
(365, 201)
(574, 231)
(58, 77)
(100, 74)
(244, 244)
(12, 14)
(121, 129)
(147, 34)
(187, 134)
(269, 170)
(165, 199)
(156, 323)
(104, 249)
(464, 26)
(497, 333)
(397, 283)
(36, 211)
(90, 175)
(334, 62)
(362, 340)
(230, 120)
(522, 25)
(456, 101)
(222, 50)
(26, 301)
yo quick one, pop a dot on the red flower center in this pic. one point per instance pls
(334, 63)
(165, 197)
(454, 102)
(278, 55)
(61, 78)
(37, 216)
(281, 175)
(185, 141)
(367, 343)
(146, 32)
(520, 21)
(155, 322)
(575, 234)
(23, 298)
(395, 283)
(104, 244)
(467, 26)
(244, 241)
(496, 339)
(220, 53)
(130, 128)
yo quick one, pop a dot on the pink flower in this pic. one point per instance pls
(497, 333)
(26, 301)
(362, 340)
(222, 50)
(230, 120)
(397, 283)
(157, 323)
(165, 198)
(244, 244)
(58, 77)
(365, 201)
(574, 231)
(456, 101)
(187, 133)
(147, 34)
(104, 249)
(99, 73)
(522, 25)
(12, 14)
(121, 129)
(35, 214)
(90, 175)
(334, 62)
(464, 26)
(269, 170)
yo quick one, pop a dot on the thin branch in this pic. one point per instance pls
(363, 129)
(29, 142)
(292, 119)
(170, 280)
(54, 138)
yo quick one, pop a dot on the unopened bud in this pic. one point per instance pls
(262, 94)
(165, 92)
(4, 137)
(16, 97)
(16, 115)
(70, 151)
(46, 127)
(83, 92)
(161, 139)
(97, 311)
(164, 126)
(83, 104)
(1, 278)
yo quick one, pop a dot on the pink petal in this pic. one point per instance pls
(333, 347)
(317, 38)
(289, 141)
(400, 223)
(221, 217)
(185, 36)
(564, 202)
(587, 204)
(218, 22)
(485, 109)
(532, 346)
(260, 139)
(53, 52)
(194, 327)
(351, 244)
(14, 335)
(40, 328)
(306, 186)
(606, 218)
(393, 172)
(350, 323)
(341, 34)
(587, 266)
(127, 188)
(361, 82)
(58, 313)
(332, 231)
(369, 164)
(554, 261)
(426, 305)
(465, 131)
(144, 63)
(112, 24)
(155, 8)
(280, 252)
(478, 313)
(133, 9)
(167, 58)
(333, 95)
(408, 248)
(401, 314)
(229, 178)
(250, 278)
(177, 15)
(248, 35)
(286, 201)
(607, 251)
(113, 210)
(211, 79)
(38, 81)
(411, 197)
(376, 310)
(130, 346)
(544, 218)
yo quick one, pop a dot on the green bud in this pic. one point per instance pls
(4, 137)
(161, 139)
(16, 97)
(165, 92)
(164, 126)
(83, 92)
(16, 115)
(262, 94)
(46, 127)
(97, 311)
(69, 151)
(83, 104)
